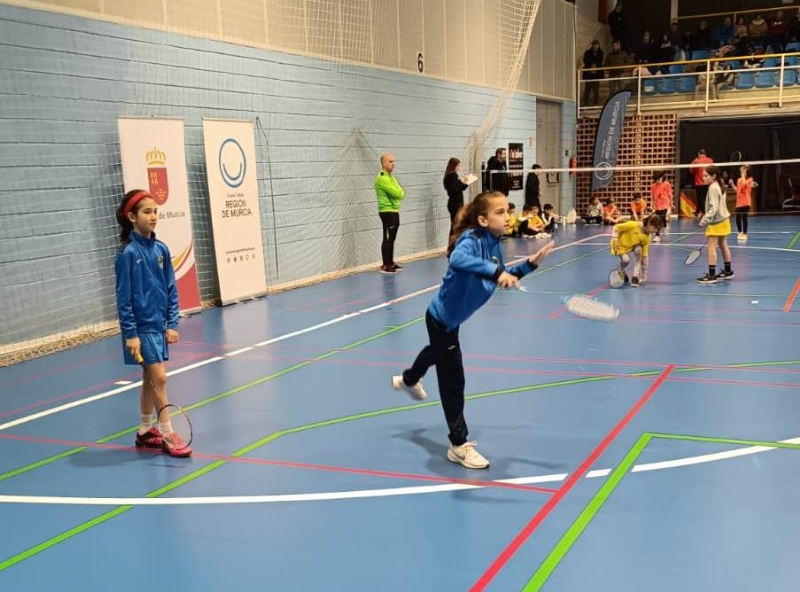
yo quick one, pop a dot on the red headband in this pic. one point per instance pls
(137, 197)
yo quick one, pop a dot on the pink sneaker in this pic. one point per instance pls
(175, 446)
(150, 439)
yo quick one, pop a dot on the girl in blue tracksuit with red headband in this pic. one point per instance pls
(147, 304)
(476, 270)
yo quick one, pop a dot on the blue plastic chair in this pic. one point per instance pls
(668, 86)
(766, 79)
(745, 80)
(687, 84)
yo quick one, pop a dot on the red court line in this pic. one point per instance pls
(576, 476)
(594, 292)
(790, 300)
(289, 464)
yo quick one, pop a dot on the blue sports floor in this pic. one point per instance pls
(658, 452)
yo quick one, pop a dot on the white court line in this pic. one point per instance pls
(93, 398)
(239, 351)
(367, 493)
(134, 385)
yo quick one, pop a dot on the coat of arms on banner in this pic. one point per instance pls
(157, 175)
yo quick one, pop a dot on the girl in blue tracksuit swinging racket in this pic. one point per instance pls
(476, 269)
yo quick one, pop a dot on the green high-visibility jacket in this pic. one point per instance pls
(388, 192)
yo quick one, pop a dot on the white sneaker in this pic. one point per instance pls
(467, 455)
(416, 391)
(656, 239)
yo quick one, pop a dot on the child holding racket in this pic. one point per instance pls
(717, 221)
(147, 304)
(476, 270)
(634, 237)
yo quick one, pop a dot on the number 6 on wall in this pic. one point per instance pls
(420, 63)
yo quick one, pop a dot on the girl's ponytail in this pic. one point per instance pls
(467, 216)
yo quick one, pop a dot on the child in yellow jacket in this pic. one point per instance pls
(634, 236)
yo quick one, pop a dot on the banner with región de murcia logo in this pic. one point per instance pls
(154, 159)
(235, 215)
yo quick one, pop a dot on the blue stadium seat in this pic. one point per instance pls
(667, 86)
(687, 84)
(745, 80)
(767, 79)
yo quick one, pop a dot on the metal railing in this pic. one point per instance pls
(774, 80)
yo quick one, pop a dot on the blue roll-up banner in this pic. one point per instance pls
(606, 144)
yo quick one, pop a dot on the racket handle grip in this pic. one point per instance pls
(139, 359)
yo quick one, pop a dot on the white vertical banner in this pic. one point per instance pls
(154, 159)
(235, 216)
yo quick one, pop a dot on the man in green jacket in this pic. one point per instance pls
(389, 194)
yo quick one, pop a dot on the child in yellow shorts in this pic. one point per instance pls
(635, 237)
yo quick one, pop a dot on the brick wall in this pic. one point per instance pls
(646, 140)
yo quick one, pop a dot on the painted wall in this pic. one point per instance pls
(65, 80)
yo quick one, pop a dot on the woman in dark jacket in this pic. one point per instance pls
(455, 189)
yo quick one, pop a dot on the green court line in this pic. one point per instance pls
(60, 538)
(569, 538)
(582, 521)
(22, 556)
(734, 441)
(794, 240)
(105, 439)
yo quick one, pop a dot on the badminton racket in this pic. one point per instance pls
(181, 423)
(586, 307)
(695, 253)
(616, 278)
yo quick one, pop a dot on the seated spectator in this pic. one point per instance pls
(611, 213)
(549, 218)
(513, 223)
(702, 83)
(754, 60)
(594, 212)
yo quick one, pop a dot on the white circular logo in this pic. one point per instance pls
(606, 172)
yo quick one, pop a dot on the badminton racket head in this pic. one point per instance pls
(616, 278)
(692, 256)
(181, 423)
(590, 308)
